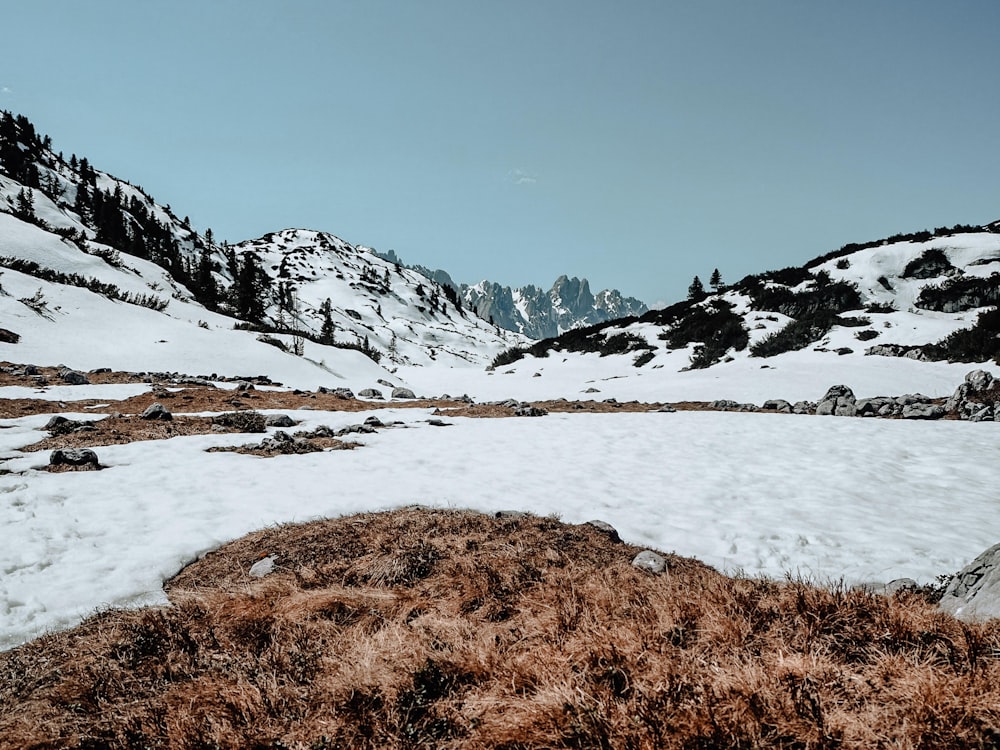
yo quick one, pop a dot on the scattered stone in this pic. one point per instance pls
(263, 567)
(778, 405)
(667, 409)
(279, 420)
(803, 407)
(371, 393)
(374, 421)
(74, 457)
(243, 421)
(355, 429)
(438, 423)
(73, 377)
(157, 411)
(243, 386)
(527, 410)
(386, 383)
(403, 393)
(974, 594)
(605, 528)
(9, 337)
(343, 393)
(99, 371)
(649, 560)
(922, 411)
(592, 390)
(511, 514)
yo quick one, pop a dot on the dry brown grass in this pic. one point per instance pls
(422, 628)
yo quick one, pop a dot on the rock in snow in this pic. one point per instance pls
(974, 594)
(73, 457)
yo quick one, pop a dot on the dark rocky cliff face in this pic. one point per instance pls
(539, 314)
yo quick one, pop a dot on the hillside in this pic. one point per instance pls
(66, 223)
(927, 299)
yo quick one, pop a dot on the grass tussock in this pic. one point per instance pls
(450, 629)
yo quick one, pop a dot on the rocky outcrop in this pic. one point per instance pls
(977, 399)
(541, 314)
(838, 401)
(404, 393)
(974, 594)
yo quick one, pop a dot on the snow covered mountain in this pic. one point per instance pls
(539, 314)
(65, 223)
(532, 311)
(880, 316)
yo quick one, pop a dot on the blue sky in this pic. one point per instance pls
(634, 143)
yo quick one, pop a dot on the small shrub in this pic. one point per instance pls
(880, 307)
(960, 293)
(507, 357)
(843, 264)
(644, 358)
(866, 335)
(932, 262)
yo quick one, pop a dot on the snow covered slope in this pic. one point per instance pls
(68, 224)
(402, 314)
(888, 318)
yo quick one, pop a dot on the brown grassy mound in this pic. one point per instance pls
(429, 629)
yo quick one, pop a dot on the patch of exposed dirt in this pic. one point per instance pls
(130, 429)
(298, 447)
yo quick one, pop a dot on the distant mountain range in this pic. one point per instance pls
(532, 311)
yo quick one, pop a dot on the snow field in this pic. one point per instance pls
(827, 498)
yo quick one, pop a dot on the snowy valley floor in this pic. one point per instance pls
(824, 498)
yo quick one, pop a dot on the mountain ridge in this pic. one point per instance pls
(532, 311)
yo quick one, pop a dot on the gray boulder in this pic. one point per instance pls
(649, 560)
(922, 411)
(838, 401)
(803, 407)
(344, 393)
(263, 567)
(974, 594)
(73, 457)
(73, 377)
(157, 411)
(371, 393)
(605, 528)
(403, 393)
(778, 405)
(279, 420)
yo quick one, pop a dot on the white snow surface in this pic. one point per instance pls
(827, 498)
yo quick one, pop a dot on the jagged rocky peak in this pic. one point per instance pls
(539, 313)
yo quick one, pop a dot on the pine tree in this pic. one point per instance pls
(206, 290)
(25, 206)
(327, 330)
(715, 281)
(251, 288)
(697, 289)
